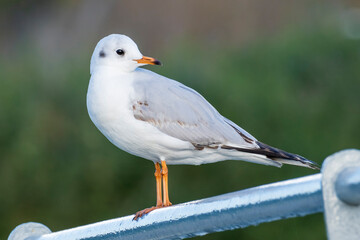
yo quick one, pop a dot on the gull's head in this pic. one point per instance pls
(119, 52)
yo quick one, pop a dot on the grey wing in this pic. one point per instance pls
(183, 113)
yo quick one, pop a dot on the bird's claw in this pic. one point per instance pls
(142, 213)
(145, 211)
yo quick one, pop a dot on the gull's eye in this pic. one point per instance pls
(120, 52)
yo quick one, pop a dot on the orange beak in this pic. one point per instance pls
(148, 60)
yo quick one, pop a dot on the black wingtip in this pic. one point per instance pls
(306, 162)
(277, 154)
(311, 164)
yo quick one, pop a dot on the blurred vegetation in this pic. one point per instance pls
(298, 91)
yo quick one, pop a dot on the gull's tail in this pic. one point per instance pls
(277, 155)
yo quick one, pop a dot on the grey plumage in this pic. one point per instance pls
(183, 113)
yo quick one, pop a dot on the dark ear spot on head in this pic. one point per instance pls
(102, 54)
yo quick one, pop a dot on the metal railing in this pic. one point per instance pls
(286, 199)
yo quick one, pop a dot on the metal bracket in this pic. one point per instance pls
(341, 194)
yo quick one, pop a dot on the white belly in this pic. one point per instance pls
(109, 105)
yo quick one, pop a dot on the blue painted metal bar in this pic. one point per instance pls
(291, 198)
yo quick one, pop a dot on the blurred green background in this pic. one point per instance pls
(286, 71)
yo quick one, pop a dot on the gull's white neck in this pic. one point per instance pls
(109, 94)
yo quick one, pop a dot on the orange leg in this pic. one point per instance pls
(164, 173)
(159, 203)
(158, 177)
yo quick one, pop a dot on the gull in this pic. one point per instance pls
(162, 120)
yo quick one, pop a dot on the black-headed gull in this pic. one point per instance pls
(162, 120)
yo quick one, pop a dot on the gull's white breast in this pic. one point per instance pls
(109, 101)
